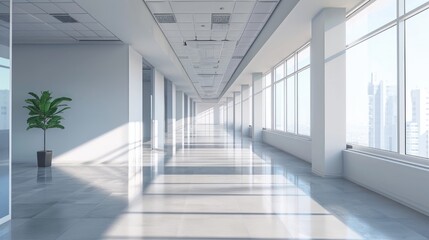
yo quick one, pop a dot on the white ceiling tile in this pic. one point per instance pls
(202, 26)
(239, 18)
(169, 26)
(95, 26)
(49, 7)
(236, 26)
(244, 7)
(259, 17)
(250, 33)
(70, 7)
(234, 35)
(32, 27)
(202, 18)
(202, 7)
(28, 7)
(264, 7)
(70, 26)
(25, 18)
(160, 7)
(73, 33)
(86, 33)
(254, 26)
(83, 18)
(186, 26)
(184, 18)
(188, 34)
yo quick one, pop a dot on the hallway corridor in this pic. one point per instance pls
(216, 186)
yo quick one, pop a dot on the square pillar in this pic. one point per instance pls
(257, 112)
(245, 110)
(328, 91)
(230, 113)
(158, 108)
(170, 111)
(180, 118)
(237, 112)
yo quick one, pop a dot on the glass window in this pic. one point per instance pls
(5, 110)
(280, 106)
(280, 72)
(372, 92)
(370, 18)
(290, 104)
(304, 102)
(290, 65)
(267, 80)
(304, 57)
(417, 85)
(412, 4)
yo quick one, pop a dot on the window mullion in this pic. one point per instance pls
(401, 79)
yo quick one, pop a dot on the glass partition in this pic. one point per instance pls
(5, 87)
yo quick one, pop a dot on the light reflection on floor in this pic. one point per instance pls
(216, 187)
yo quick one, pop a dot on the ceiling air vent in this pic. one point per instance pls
(64, 17)
(220, 18)
(165, 17)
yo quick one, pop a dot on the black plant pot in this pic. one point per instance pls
(44, 158)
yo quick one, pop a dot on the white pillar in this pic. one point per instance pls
(245, 110)
(328, 91)
(170, 90)
(237, 112)
(180, 117)
(257, 112)
(230, 113)
(158, 108)
(135, 108)
(147, 104)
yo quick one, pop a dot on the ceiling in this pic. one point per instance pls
(297, 27)
(210, 38)
(54, 21)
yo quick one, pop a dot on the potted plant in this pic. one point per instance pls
(45, 114)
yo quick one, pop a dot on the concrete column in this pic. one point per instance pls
(328, 91)
(257, 112)
(237, 112)
(180, 117)
(158, 108)
(245, 110)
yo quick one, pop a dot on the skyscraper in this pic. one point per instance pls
(382, 122)
(418, 127)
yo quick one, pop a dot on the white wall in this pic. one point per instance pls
(404, 183)
(296, 146)
(96, 78)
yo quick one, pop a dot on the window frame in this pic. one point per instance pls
(401, 17)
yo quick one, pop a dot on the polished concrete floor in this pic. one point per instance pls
(216, 187)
